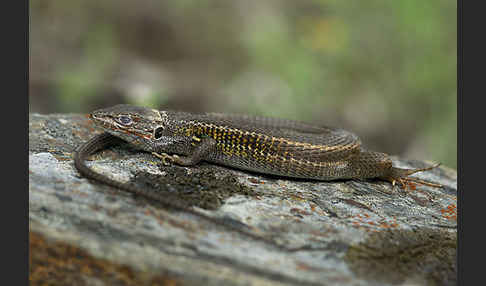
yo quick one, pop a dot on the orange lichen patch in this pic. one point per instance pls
(388, 225)
(450, 212)
(420, 201)
(367, 223)
(59, 263)
(312, 206)
(299, 211)
(306, 267)
(297, 198)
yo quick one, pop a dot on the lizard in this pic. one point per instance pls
(265, 145)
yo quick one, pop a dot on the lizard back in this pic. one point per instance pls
(270, 145)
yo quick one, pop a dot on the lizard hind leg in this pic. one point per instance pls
(402, 176)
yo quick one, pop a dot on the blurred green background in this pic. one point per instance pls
(385, 70)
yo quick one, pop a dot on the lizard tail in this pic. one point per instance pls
(408, 172)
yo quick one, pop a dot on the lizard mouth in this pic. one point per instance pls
(100, 120)
(110, 125)
(105, 122)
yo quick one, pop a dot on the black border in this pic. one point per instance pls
(471, 146)
(22, 253)
(14, 122)
(460, 130)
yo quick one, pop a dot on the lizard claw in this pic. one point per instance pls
(401, 176)
(164, 157)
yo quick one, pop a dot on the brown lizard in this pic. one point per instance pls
(265, 145)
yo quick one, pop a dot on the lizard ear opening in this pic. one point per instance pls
(158, 132)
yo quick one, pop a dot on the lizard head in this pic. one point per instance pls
(134, 124)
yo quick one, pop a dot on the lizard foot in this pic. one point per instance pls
(401, 176)
(166, 157)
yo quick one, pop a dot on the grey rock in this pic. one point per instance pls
(320, 233)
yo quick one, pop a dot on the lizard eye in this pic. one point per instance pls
(125, 120)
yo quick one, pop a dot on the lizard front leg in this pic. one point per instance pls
(203, 148)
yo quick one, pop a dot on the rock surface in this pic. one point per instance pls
(317, 233)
